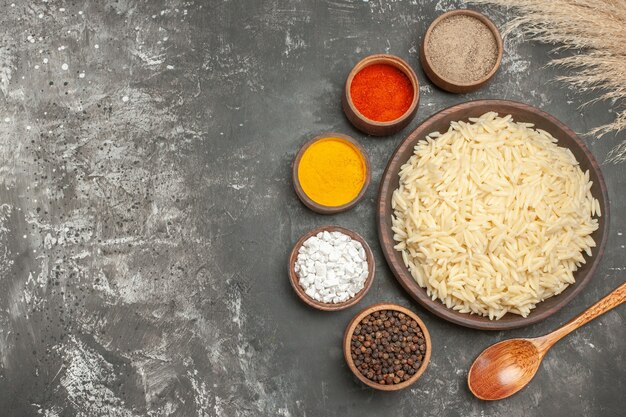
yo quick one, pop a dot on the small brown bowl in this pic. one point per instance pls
(295, 280)
(347, 342)
(454, 86)
(369, 126)
(320, 208)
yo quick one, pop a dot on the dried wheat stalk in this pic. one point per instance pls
(597, 28)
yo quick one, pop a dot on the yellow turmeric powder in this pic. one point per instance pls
(332, 172)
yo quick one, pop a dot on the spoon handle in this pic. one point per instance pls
(610, 301)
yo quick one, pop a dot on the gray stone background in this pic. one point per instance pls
(146, 214)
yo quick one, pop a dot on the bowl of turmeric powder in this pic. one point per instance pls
(381, 95)
(331, 173)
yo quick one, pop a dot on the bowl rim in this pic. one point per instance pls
(347, 342)
(294, 279)
(321, 208)
(396, 62)
(487, 22)
(418, 293)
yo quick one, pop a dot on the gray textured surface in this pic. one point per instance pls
(147, 213)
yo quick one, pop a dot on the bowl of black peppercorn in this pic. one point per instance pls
(387, 347)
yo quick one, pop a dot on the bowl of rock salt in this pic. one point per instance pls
(331, 268)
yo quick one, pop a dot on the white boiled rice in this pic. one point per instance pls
(492, 216)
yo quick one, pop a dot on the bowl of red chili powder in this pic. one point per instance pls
(381, 95)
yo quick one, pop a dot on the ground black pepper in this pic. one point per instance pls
(462, 49)
(388, 347)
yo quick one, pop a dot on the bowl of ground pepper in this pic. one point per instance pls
(462, 50)
(387, 347)
(381, 95)
(331, 173)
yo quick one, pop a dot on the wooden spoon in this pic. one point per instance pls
(508, 366)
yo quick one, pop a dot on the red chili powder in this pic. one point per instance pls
(381, 92)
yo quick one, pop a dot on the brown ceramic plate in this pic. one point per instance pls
(295, 280)
(521, 113)
(347, 342)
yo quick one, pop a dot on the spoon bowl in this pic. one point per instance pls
(504, 368)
